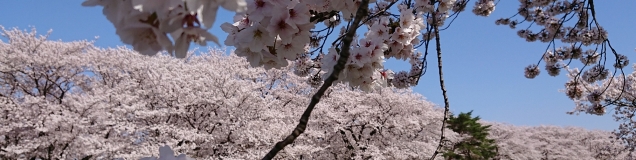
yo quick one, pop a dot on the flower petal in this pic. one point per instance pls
(181, 47)
(207, 15)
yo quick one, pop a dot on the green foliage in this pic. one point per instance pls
(475, 144)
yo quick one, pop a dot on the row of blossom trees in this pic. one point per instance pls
(72, 100)
(295, 33)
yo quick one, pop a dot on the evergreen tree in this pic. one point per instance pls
(475, 144)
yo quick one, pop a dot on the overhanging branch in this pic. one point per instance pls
(342, 61)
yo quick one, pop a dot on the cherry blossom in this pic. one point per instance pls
(145, 38)
(185, 21)
(191, 34)
(72, 100)
(278, 34)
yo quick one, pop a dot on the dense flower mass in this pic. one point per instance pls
(594, 97)
(270, 34)
(71, 100)
(280, 33)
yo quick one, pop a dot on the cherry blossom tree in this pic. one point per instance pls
(281, 33)
(72, 100)
(616, 93)
(125, 105)
(551, 142)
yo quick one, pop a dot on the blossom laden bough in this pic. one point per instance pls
(146, 24)
(276, 33)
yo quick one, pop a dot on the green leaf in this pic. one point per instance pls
(477, 145)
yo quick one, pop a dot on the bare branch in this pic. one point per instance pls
(442, 86)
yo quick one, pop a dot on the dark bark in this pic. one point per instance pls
(438, 47)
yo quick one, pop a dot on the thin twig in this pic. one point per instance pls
(344, 56)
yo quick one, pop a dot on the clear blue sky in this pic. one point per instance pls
(483, 63)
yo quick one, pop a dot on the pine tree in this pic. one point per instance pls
(475, 145)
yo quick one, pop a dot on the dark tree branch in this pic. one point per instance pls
(441, 83)
(342, 61)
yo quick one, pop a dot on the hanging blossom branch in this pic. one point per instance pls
(275, 34)
(616, 91)
(344, 56)
(591, 86)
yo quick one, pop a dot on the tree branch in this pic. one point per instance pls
(442, 85)
(342, 61)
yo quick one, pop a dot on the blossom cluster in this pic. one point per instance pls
(555, 60)
(447, 7)
(146, 24)
(596, 90)
(383, 40)
(545, 14)
(274, 33)
(277, 33)
(271, 32)
(551, 16)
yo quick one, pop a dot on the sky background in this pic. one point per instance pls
(483, 62)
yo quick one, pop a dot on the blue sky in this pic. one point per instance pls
(483, 63)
